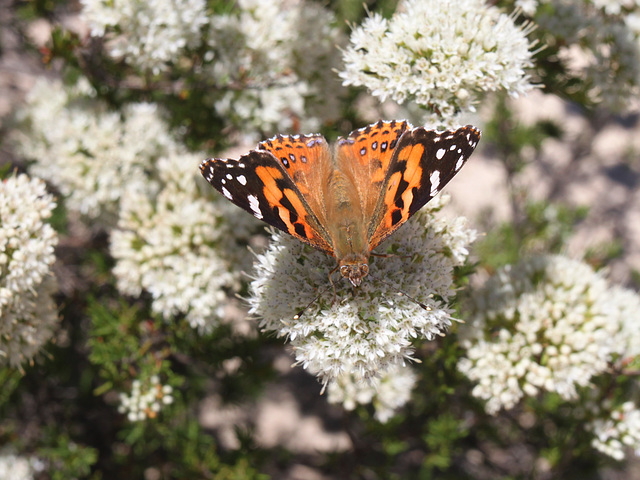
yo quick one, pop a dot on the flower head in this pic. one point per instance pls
(152, 34)
(546, 324)
(28, 314)
(17, 467)
(369, 329)
(617, 432)
(440, 55)
(388, 392)
(175, 244)
(146, 399)
(91, 154)
(277, 57)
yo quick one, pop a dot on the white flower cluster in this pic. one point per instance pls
(439, 55)
(389, 392)
(28, 314)
(600, 44)
(278, 58)
(367, 330)
(270, 62)
(618, 433)
(152, 34)
(170, 239)
(16, 467)
(546, 324)
(90, 154)
(174, 245)
(145, 402)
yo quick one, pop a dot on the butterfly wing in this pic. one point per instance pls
(259, 183)
(307, 160)
(364, 155)
(423, 163)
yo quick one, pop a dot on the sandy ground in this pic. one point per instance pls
(605, 179)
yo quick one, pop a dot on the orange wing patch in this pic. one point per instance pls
(365, 155)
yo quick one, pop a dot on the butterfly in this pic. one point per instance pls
(347, 199)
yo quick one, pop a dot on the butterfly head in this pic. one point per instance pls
(354, 268)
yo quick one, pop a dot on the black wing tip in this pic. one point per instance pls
(475, 131)
(206, 163)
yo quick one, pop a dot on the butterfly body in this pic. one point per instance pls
(347, 201)
(346, 226)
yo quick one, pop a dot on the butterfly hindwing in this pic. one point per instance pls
(423, 163)
(258, 183)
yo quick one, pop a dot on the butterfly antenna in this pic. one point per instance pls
(404, 294)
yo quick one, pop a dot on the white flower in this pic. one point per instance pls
(28, 315)
(388, 393)
(176, 245)
(145, 401)
(618, 433)
(367, 330)
(529, 7)
(276, 60)
(15, 467)
(150, 34)
(546, 324)
(91, 154)
(440, 55)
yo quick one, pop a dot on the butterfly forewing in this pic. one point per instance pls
(307, 160)
(259, 184)
(423, 163)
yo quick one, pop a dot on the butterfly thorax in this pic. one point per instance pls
(347, 228)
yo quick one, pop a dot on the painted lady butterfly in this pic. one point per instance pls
(344, 202)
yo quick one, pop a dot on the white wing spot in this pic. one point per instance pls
(434, 178)
(242, 179)
(459, 162)
(227, 193)
(223, 181)
(453, 147)
(254, 205)
(229, 176)
(241, 165)
(440, 153)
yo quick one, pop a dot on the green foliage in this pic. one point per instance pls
(544, 227)
(66, 459)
